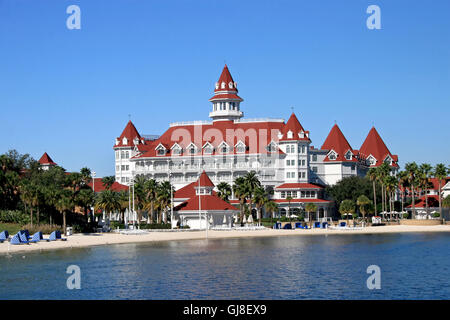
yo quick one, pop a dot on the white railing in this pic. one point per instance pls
(189, 123)
(260, 120)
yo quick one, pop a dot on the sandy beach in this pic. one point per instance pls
(87, 240)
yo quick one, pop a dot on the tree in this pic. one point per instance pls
(411, 170)
(163, 198)
(373, 174)
(151, 187)
(240, 191)
(351, 188)
(63, 204)
(108, 201)
(346, 207)
(289, 199)
(108, 181)
(271, 207)
(252, 182)
(446, 202)
(85, 199)
(424, 175)
(260, 198)
(440, 173)
(362, 203)
(391, 184)
(384, 171)
(310, 208)
(140, 184)
(224, 191)
(403, 183)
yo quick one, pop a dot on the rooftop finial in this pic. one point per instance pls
(129, 116)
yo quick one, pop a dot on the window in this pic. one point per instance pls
(314, 169)
(290, 162)
(240, 148)
(303, 149)
(127, 154)
(161, 152)
(283, 194)
(117, 168)
(208, 150)
(303, 162)
(332, 156)
(303, 174)
(117, 154)
(348, 155)
(314, 157)
(290, 175)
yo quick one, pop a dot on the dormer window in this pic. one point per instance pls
(289, 134)
(230, 85)
(301, 135)
(372, 161)
(240, 147)
(348, 155)
(332, 155)
(160, 150)
(208, 148)
(124, 140)
(388, 160)
(223, 85)
(224, 148)
(136, 141)
(271, 147)
(117, 141)
(217, 85)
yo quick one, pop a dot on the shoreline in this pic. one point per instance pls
(96, 239)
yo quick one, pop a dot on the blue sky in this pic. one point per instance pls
(69, 92)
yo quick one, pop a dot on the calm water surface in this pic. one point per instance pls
(413, 266)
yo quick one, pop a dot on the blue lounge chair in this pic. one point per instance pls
(324, 225)
(19, 238)
(42, 236)
(343, 224)
(15, 239)
(26, 232)
(298, 225)
(277, 225)
(287, 226)
(37, 237)
(56, 235)
(4, 235)
(316, 224)
(23, 237)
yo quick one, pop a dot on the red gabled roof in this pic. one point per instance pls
(433, 201)
(295, 127)
(204, 180)
(299, 186)
(255, 135)
(130, 133)
(375, 146)
(208, 203)
(337, 142)
(99, 187)
(226, 78)
(46, 160)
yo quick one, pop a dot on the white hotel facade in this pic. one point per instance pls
(229, 146)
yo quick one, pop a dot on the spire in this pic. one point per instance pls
(46, 160)
(130, 134)
(204, 181)
(375, 146)
(225, 100)
(337, 142)
(293, 130)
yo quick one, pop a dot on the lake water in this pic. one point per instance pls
(413, 266)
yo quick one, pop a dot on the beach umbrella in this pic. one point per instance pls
(211, 220)
(245, 219)
(224, 219)
(250, 219)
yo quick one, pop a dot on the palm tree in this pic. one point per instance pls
(252, 182)
(391, 183)
(151, 187)
(384, 170)
(346, 207)
(424, 175)
(108, 201)
(260, 198)
(123, 203)
(403, 182)
(440, 173)
(362, 202)
(240, 191)
(63, 204)
(85, 199)
(163, 197)
(140, 194)
(271, 207)
(108, 181)
(289, 199)
(373, 175)
(310, 208)
(85, 175)
(224, 191)
(411, 170)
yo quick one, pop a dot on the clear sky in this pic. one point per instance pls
(69, 92)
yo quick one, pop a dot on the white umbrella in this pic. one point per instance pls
(245, 219)
(211, 220)
(250, 219)
(294, 216)
(224, 219)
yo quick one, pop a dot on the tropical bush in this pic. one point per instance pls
(14, 216)
(44, 228)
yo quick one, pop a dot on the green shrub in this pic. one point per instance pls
(155, 226)
(114, 224)
(436, 215)
(14, 216)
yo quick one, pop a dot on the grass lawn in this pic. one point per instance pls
(12, 228)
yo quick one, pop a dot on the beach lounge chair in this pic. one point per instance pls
(56, 235)
(277, 225)
(316, 224)
(343, 224)
(4, 235)
(324, 225)
(298, 225)
(287, 226)
(15, 239)
(19, 238)
(38, 237)
(26, 232)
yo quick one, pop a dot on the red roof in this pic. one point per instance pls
(299, 186)
(46, 160)
(375, 146)
(226, 78)
(255, 135)
(130, 133)
(99, 187)
(295, 127)
(205, 181)
(433, 201)
(230, 96)
(337, 142)
(208, 203)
